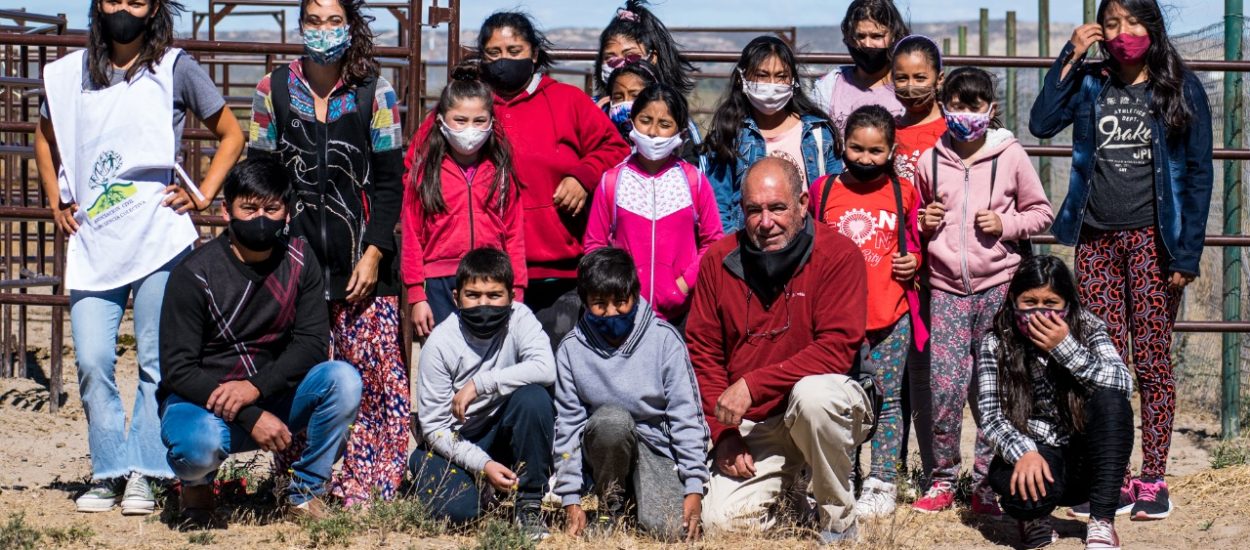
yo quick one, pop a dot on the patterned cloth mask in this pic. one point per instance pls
(327, 46)
(969, 126)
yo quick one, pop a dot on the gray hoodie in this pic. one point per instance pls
(650, 376)
(516, 357)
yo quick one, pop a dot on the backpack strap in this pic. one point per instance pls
(993, 176)
(900, 229)
(365, 99)
(820, 150)
(280, 98)
(692, 179)
(824, 196)
(933, 174)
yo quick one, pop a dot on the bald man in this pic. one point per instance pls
(777, 318)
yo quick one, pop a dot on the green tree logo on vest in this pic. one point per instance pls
(106, 169)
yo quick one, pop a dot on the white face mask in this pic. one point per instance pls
(604, 72)
(655, 148)
(465, 141)
(766, 97)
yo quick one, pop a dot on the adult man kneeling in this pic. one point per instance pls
(777, 318)
(244, 347)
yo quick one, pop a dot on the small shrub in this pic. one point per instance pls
(336, 530)
(202, 538)
(17, 535)
(1228, 454)
(501, 535)
(69, 535)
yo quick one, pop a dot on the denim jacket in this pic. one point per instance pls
(726, 175)
(1183, 172)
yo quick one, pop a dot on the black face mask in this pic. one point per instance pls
(485, 321)
(871, 60)
(258, 234)
(122, 26)
(866, 173)
(768, 273)
(509, 75)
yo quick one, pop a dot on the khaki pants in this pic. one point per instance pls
(826, 418)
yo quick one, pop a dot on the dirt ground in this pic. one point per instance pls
(44, 464)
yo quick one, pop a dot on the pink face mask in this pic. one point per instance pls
(1128, 48)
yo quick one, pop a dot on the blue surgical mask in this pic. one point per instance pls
(327, 46)
(614, 327)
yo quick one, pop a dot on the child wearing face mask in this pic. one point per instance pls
(656, 206)
(872, 206)
(984, 200)
(461, 195)
(870, 30)
(1137, 202)
(917, 77)
(765, 113)
(485, 410)
(1054, 404)
(628, 410)
(624, 85)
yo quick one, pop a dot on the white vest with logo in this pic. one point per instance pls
(117, 148)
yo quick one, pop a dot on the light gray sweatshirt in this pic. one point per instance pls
(650, 376)
(451, 358)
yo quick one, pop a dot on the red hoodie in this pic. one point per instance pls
(818, 329)
(434, 244)
(556, 131)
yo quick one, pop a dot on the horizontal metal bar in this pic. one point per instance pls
(34, 213)
(32, 282)
(18, 15)
(1212, 326)
(194, 46)
(955, 60)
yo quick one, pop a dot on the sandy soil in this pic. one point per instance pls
(46, 463)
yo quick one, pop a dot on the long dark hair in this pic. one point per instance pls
(1164, 64)
(722, 140)
(359, 64)
(638, 23)
(522, 24)
(670, 97)
(465, 84)
(158, 36)
(881, 11)
(1015, 351)
(970, 85)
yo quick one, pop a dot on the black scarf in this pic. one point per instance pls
(768, 273)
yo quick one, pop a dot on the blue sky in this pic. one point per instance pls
(1184, 14)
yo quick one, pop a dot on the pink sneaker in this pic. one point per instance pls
(985, 502)
(941, 496)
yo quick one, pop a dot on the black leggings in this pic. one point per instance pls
(1089, 469)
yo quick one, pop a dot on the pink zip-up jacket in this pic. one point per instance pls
(665, 221)
(964, 260)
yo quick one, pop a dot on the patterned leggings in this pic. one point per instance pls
(886, 358)
(366, 335)
(1122, 281)
(954, 336)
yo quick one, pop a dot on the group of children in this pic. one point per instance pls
(550, 246)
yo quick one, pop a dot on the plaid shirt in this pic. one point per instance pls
(1096, 365)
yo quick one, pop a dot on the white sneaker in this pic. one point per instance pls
(139, 499)
(99, 498)
(877, 499)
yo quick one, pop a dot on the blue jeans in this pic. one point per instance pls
(95, 317)
(324, 404)
(438, 292)
(520, 439)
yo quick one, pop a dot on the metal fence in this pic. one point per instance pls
(33, 251)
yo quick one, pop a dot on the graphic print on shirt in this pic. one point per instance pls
(862, 226)
(1124, 133)
(113, 193)
(653, 198)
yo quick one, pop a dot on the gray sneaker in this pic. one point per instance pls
(529, 517)
(851, 535)
(100, 497)
(139, 499)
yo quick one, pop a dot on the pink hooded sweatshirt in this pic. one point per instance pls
(665, 221)
(964, 260)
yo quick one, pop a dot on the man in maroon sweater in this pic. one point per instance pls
(777, 319)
